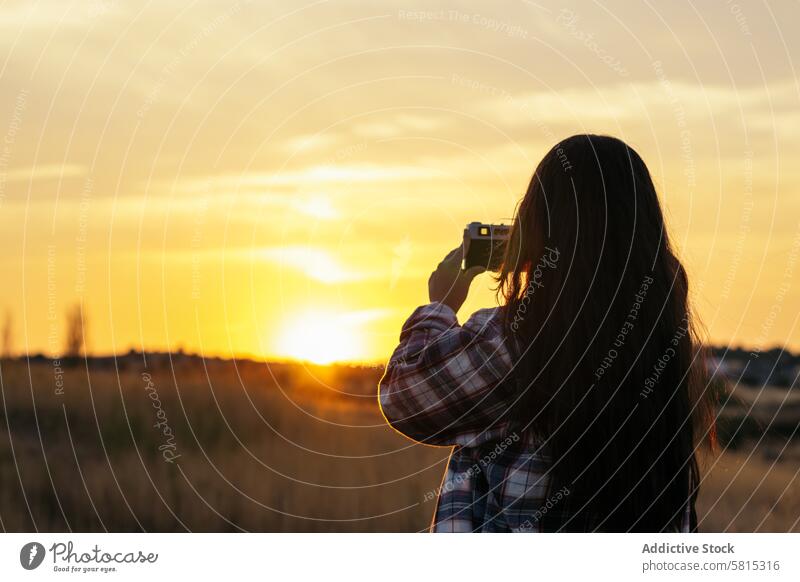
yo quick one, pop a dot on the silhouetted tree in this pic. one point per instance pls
(8, 335)
(76, 332)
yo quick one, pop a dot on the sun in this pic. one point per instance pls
(320, 338)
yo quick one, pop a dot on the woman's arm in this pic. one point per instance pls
(444, 382)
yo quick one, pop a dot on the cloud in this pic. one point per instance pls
(639, 100)
(45, 172)
(47, 14)
(400, 125)
(289, 180)
(314, 263)
(310, 142)
(318, 207)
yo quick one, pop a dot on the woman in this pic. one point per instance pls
(579, 404)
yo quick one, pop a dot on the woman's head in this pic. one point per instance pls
(609, 372)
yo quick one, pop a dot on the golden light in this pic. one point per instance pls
(320, 338)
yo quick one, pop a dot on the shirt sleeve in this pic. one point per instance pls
(444, 384)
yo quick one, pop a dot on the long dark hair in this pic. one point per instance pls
(610, 373)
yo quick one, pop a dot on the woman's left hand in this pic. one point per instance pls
(448, 284)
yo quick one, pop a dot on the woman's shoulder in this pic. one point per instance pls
(486, 321)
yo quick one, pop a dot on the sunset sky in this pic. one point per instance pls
(278, 179)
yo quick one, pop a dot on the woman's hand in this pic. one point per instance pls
(448, 284)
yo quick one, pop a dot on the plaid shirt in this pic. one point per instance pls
(450, 385)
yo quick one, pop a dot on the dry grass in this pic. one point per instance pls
(278, 448)
(745, 492)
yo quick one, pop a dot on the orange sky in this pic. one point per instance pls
(275, 179)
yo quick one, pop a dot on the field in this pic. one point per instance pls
(212, 445)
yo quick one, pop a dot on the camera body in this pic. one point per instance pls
(485, 245)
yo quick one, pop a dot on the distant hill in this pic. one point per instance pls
(774, 367)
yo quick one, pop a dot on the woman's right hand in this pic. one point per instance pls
(449, 284)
